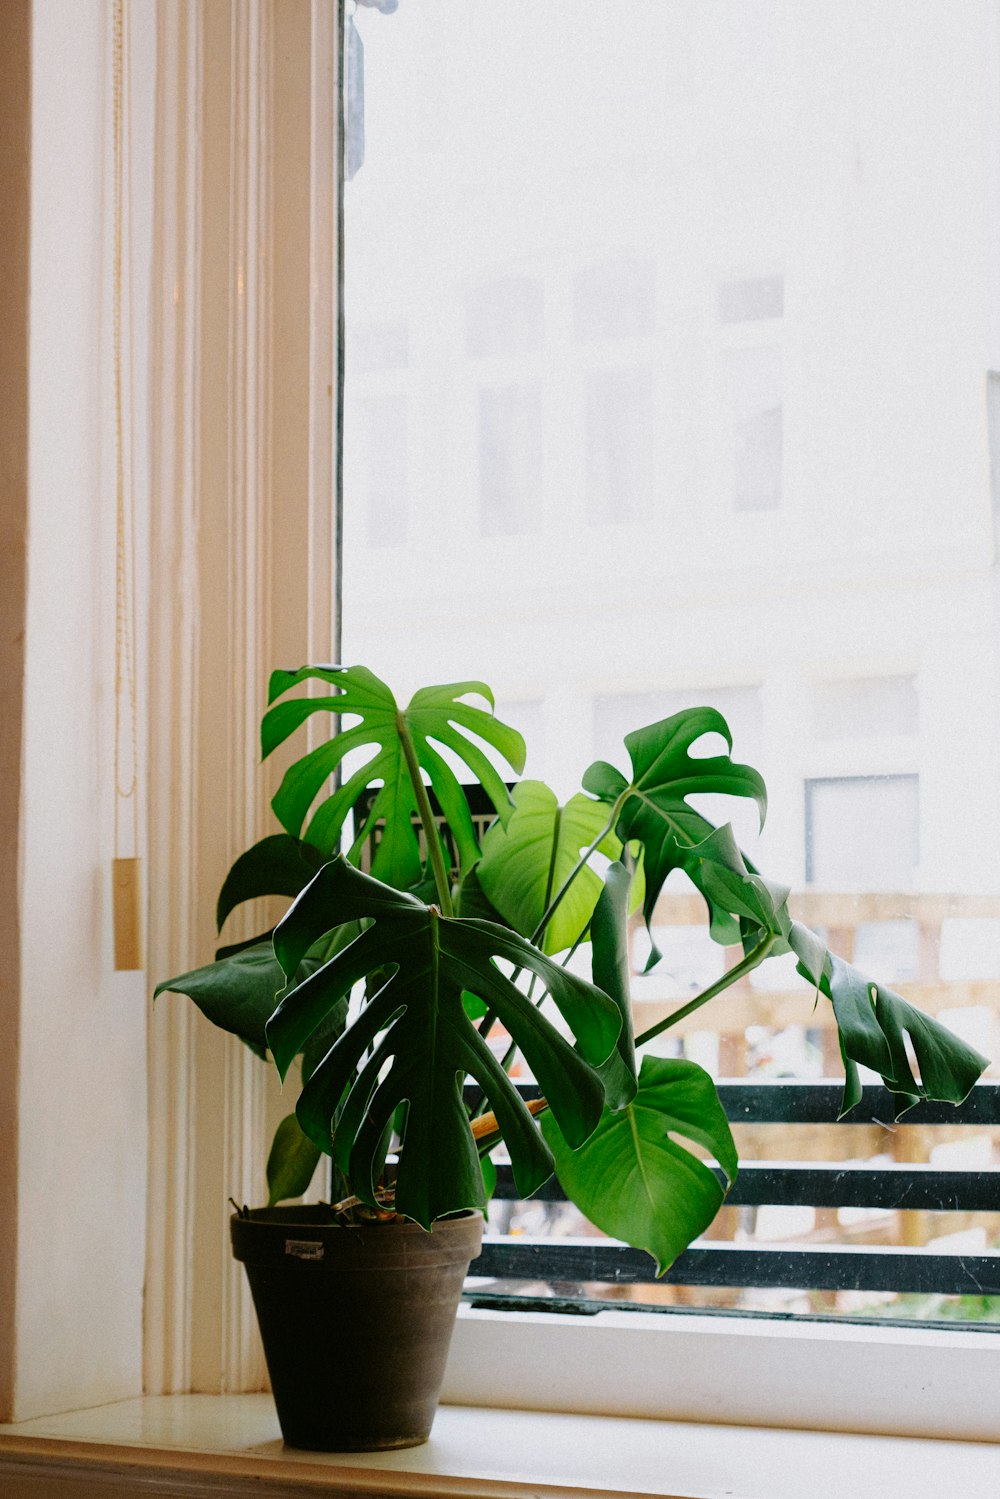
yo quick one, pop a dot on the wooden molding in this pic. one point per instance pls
(243, 537)
(15, 130)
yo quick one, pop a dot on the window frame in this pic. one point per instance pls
(783, 1373)
(927, 1382)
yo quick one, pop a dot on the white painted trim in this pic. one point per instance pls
(242, 529)
(323, 335)
(914, 1382)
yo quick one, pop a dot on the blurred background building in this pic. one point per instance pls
(671, 340)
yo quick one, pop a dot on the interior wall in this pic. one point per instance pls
(15, 53)
(80, 1115)
(81, 1154)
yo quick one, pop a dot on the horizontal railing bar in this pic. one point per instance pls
(793, 1102)
(789, 1101)
(831, 1268)
(901, 1186)
(832, 1184)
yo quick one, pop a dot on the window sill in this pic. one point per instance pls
(196, 1445)
(853, 1378)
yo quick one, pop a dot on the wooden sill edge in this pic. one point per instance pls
(703, 1462)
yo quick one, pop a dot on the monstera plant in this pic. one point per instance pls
(417, 962)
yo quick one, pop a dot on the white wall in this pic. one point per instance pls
(82, 1147)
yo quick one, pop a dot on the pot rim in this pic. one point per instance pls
(304, 1237)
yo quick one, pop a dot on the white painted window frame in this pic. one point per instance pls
(243, 578)
(222, 574)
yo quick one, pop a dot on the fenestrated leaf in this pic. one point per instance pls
(742, 905)
(611, 968)
(414, 1041)
(873, 1022)
(435, 714)
(654, 806)
(291, 1163)
(526, 861)
(633, 1180)
(277, 865)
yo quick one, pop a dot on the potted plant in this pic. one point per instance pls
(385, 985)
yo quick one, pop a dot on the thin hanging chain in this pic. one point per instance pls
(125, 684)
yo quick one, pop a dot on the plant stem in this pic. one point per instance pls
(565, 962)
(746, 965)
(441, 881)
(556, 901)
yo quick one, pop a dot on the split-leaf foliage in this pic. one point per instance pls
(409, 948)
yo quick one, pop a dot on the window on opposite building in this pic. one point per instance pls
(615, 299)
(752, 389)
(863, 832)
(618, 442)
(510, 459)
(376, 443)
(505, 316)
(865, 707)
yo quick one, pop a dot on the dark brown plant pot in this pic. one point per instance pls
(355, 1321)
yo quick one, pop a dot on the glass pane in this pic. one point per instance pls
(684, 316)
(753, 300)
(864, 707)
(863, 831)
(619, 434)
(510, 459)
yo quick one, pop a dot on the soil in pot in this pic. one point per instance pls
(356, 1321)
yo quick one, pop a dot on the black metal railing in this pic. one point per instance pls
(805, 1266)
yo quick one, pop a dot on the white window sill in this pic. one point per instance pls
(196, 1445)
(845, 1377)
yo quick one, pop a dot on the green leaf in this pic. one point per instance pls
(237, 993)
(230, 949)
(633, 1180)
(609, 945)
(742, 905)
(525, 862)
(489, 1171)
(413, 1041)
(472, 899)
(277, 865)
(385, 731)
(873, 1022)
(654, 806)
(292, 1162)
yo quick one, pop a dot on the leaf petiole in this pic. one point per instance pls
(563, 890)
(746, 965)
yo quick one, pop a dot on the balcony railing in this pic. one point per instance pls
(828, 1184)
(865, 1161)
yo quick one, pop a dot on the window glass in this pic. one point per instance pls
(504, 317)
(615, 299)
(863, 831)
(751, 300)
(864, 707)
(696, 413)
(379, 346)
(616, 714)
(510, 459)
(752, 379)
(376, 453)
(619, 431)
